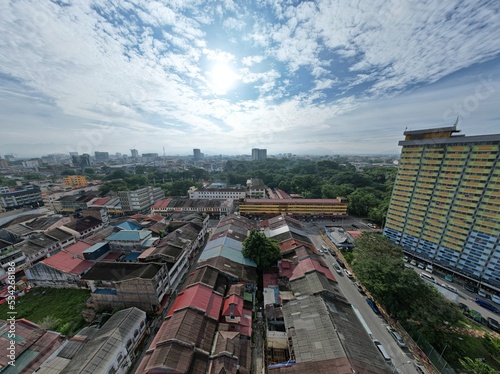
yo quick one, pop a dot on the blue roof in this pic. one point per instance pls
(132, 256)
(129, 225)
(95, 247)
(225, 241)
(106, 291)
(129, 235)
(227, 252)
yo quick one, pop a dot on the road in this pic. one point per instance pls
(376, 323)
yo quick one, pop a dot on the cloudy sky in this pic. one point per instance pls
(318, 77)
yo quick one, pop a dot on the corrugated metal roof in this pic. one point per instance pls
(200, 297)
(229, 253)
(129, 235)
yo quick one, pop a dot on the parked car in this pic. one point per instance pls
(449, 288)
(463, 307)
(396, 336)
(372, 305)
(405, 258)
(348, 273)
(482, 293)
(358, 287)
(337, 268)
(486, 305)
(469, 287)
(493, 324)
(420, 368)
(495, 299)
(429, 269)
(383, 352)
(355, 226)
(421, 265)
(427, 277)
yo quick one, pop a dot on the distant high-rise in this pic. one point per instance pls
(259, 154)
(197, 154)
(444, 205)
(134, 153)
(101, 156)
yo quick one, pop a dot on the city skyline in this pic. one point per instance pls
(309, 78)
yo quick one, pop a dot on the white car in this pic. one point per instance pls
(495, 299)
(348, 273)
(396, 336)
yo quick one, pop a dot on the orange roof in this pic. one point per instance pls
(160, 204)
(200, 297)
(238, 309)
(101, 201)
(77, 249)
(67, 263)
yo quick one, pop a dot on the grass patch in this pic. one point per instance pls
(469, 347)
(58, 309)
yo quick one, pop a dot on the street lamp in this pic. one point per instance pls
(401, 364)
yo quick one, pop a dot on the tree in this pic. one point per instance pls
(492, 345)
(260, 249)
(476, 366)
(378, 264)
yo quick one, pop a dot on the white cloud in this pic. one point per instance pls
(305, 73)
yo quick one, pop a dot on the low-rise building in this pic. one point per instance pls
(123, 285)
(295, 207)
(140, 200)
(83, 227)
(33, 345)
(64, 269)
(20, 198)
(216, 193)
(126, 241)
(256, 189)
(109, 349)
(75, 180)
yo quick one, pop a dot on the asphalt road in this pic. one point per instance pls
(376, 323)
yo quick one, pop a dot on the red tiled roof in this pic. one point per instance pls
(297, 270)
(77, 249)
(270, 280)
(246, 323)
(101, 201)
(112, 256)
(200, 297)
(66, 263)
(238, 309)
(355, 234)
(161, 204)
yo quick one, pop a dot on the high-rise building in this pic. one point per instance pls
(259, 154)
(101, 156)
(134, 153)
(446, 201)
(197, 154)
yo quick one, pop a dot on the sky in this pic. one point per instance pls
(304, 77)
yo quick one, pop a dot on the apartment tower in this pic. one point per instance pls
(446, 201)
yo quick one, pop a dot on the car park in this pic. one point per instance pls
(493, 324)
(486, 305)
(372, 305)
(399, 340)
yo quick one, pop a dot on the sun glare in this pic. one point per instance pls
(222, 78)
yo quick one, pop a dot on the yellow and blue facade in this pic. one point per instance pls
(445, 205)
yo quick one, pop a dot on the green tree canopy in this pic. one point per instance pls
(260, 249)
(476, 366)
(378, 264)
